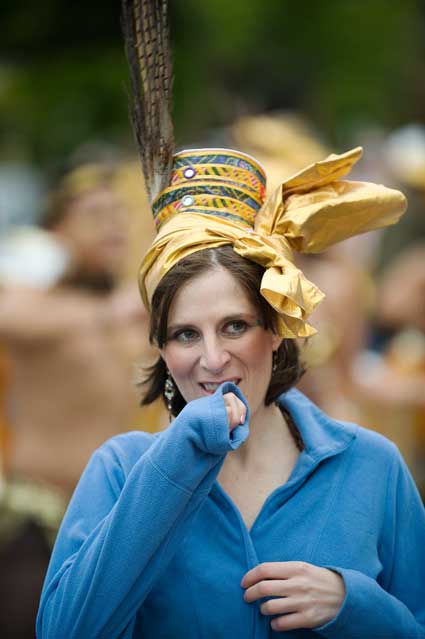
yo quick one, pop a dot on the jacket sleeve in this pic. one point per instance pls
(394, 608)
(122, 528)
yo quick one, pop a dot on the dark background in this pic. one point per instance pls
(345, 64)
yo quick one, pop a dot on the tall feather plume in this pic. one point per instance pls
(147, 40)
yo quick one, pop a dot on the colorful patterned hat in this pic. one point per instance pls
(220, 182)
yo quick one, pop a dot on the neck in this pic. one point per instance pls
(269, 432)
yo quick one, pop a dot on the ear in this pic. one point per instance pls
(276, 341)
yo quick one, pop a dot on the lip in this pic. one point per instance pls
(234, 380)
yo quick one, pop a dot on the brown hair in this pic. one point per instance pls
(288, 368)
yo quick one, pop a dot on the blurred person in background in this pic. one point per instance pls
(283, 141)
(69, 351)
(342, 325)
(369, 365)
(389, 375)
(404, 151)
(401, 294)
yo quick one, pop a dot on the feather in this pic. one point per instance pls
(147, 40)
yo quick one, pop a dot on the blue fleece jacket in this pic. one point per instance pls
(151, 547)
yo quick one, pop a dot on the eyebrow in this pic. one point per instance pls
(223, 320)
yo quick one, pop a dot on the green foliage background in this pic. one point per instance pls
(343, 63)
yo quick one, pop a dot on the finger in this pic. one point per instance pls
(232, 420)
(240, 409)
(268, 588)
(233, 415)
(236, 410)
(290, 622)
(273, 570)
(231, 399)
(277, 606)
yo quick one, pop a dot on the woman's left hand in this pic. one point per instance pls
(308, 596)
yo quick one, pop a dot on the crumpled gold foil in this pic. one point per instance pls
(309, 212)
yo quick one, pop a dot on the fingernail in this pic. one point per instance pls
(242, 419)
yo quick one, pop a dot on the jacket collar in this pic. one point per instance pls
(322, 436)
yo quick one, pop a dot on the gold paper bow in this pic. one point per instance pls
(308, 213)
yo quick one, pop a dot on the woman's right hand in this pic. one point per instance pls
(236, 410)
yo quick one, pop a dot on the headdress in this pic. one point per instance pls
(205, 198)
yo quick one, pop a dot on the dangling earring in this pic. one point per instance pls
(274, 362)
(169, 392)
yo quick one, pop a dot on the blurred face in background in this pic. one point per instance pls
(95, 230)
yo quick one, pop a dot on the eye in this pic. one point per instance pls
(235, 328)
(185, 336)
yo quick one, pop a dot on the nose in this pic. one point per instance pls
(214, 356)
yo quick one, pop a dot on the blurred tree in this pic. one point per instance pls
(63, 72)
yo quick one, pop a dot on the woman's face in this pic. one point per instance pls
(215, 334)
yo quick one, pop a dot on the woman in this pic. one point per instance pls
(253, 513)
(202, 530)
